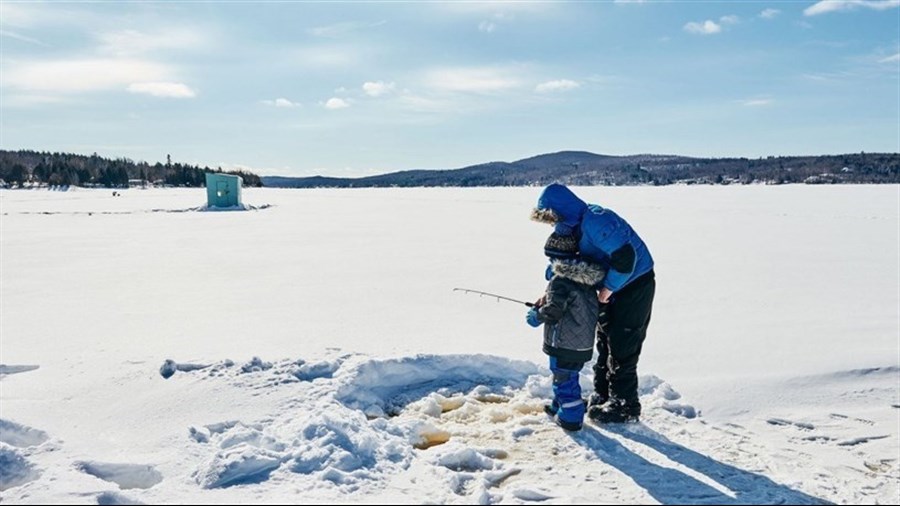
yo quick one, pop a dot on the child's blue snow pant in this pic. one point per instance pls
(567, 390)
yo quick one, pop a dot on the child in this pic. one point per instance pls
(569, 311)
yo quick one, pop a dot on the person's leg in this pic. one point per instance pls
(601, 369)
(553, 407)
(567, 393)
(629, 319)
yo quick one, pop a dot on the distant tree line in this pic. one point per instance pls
(64, 169)
(854, 168)
(588, 169)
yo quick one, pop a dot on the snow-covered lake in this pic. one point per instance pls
(771, 371)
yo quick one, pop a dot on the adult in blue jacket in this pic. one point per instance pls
(626, 296)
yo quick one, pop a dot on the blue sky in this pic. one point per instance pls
(358, 88)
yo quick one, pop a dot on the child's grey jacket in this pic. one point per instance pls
(570, 313)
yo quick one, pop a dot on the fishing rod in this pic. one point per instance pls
(498, 297)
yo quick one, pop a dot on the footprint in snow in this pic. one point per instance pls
(6, 370)
(21, 436)
(112, 498)
(126, 476)
(15, 469)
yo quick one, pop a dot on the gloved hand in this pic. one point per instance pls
(548, 274)
(532, 318)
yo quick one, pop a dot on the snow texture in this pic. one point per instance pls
(317, 350)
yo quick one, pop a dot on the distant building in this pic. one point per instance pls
(223, 190)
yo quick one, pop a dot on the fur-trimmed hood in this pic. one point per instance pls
(579, 271)
(547, 216)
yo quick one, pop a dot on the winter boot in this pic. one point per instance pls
(616, 411)
(552, 408)
(596, 400)
(569, 426)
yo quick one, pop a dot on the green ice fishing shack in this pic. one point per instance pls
(223, 190)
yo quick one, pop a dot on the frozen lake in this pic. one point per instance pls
(756, 285)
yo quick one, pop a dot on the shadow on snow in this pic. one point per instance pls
(672, 486)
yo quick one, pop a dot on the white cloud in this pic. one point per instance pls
(498, 9)
(890, 59)
(377, 88)
(336, 103)
(729, 20)
(830, 77)
(487, 26)
(422, 104)
(333, 30)
(85, 75)
(163, 89)
(327, 56)
(12, 14)
(707, 27)
(341, 29)
(282, 102)
(133, 42)
(472, 79)
(826, 6)
(769, 13)
(557, 85)
(60, 15)
(758, 102)
(28, 100)
(604, 79)
(19, 36)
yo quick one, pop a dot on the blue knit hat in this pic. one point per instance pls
(561, 246)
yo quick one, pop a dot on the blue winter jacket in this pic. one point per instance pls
(604, 237)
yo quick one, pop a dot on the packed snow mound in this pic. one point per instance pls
(170, 367)
(6, 370)
(114, 498)
(657, 393)
(468, 428)
(126, 476)
(15, 469)
(342, 434)
(464, 420)
(382, 387)
(20, 436)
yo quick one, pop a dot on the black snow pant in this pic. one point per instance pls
(619, 347)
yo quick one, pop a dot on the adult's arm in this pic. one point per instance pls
(621, 266)
(611, 235)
